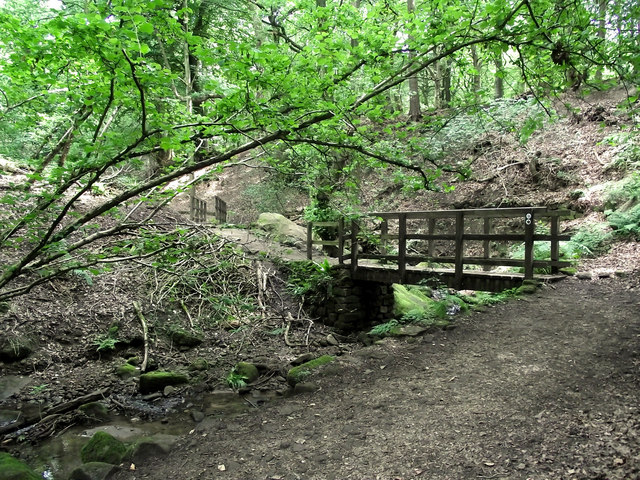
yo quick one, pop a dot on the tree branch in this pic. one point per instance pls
(143, 105)
(368, 153)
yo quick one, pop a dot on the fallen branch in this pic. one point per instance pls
(55, 411)
(186, 310)
(145, 333)
(497, 171)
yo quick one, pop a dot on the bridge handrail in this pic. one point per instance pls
(403, 257)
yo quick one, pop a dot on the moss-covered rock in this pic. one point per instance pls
(13, 469)
(95, 410)
(156, 381)
(199, 365)
(126, 371)
(246, 370)
(103, 448)
(184, 339)
(302, 372)
(409, 300)
(528, 287)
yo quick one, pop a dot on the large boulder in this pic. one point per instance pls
(281, 228)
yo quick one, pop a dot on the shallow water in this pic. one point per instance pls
(57, 457)
(10, 384)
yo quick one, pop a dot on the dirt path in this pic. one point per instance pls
(541, 388)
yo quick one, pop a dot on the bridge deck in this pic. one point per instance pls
(471, 279)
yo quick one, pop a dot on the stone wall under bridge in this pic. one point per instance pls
(354, 305)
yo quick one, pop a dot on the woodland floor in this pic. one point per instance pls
(546, 387)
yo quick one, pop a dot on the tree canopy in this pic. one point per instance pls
(148, 92)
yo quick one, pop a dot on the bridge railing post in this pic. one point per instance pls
(555, 243)
(309, 241)
(486, 244)
(459, 258)
(384, 231)
(341, 241)
(355, 228)
(431, 229)
(529, 230)
(402, 246)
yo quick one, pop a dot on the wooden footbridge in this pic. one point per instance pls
(463, 249)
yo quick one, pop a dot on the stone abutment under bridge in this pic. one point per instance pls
(354, 305)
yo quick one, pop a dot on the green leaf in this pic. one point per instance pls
(146, 28)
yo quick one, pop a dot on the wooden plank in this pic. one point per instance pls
(402, 247)
(459, 249)
(492, 262)
(529, 229)
(472, 212)
(498, 237)
(326, 224)
(549, 238)
(333, 243)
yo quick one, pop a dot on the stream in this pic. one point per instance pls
(56, 457)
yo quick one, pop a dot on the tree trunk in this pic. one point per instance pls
(477, 65)
(356, 5)
(498, 84)
(437, 85)
(445, 92)
(415, 112)
(602, 14)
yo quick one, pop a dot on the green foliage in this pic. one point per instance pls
(276, 193)
(90, 89)
(568, 251)
(38, 389)
(490, 298)
(307, 278)
(626, 223)
(236, 381)
(625, 193)
(242, 374)
(628, 145)
(107, 342)
(591, 240)
(384, 329)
